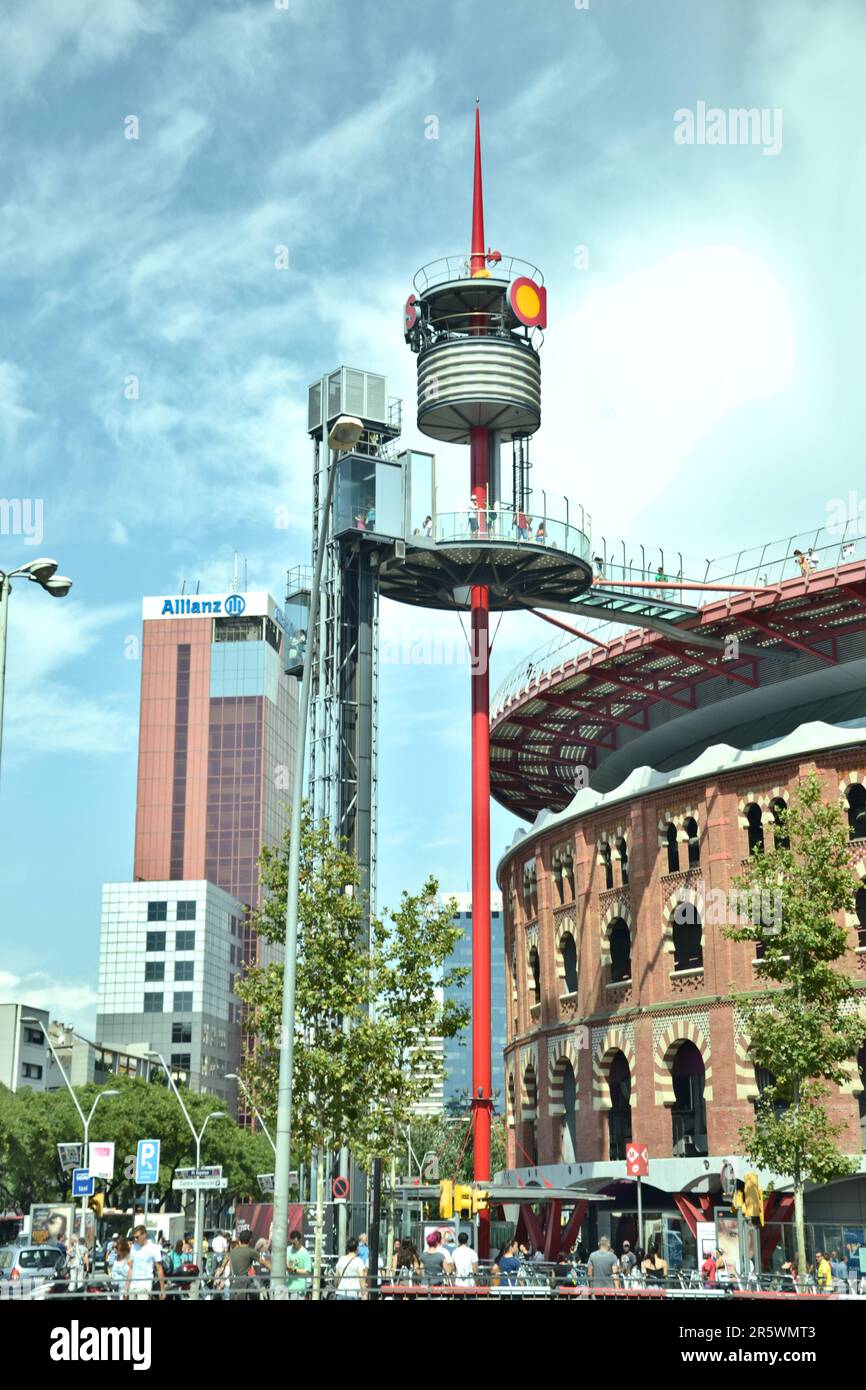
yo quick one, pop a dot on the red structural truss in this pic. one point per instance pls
(584, 708)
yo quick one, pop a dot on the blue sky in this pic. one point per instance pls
(703, 369)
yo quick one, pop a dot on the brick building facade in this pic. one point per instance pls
(621, 1024)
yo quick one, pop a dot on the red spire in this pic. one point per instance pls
(479, 257)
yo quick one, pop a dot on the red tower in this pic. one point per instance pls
(475, 323)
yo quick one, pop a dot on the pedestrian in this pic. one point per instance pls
(823, 1272)
(299, 1265)
(655, 1269)
(598, 561)
(660, 576)
(219, 1246)
(802, 562)
(465, 1261)
(473, 515)
(75, 1263)
(350, 1276)
(627, 1264)
(435, 1260)
(506, 1266)
(788, 1273)
(541, 534)
(840, 1272)
(364, 1249)
(449, 1245)
(602, 1266)
(241, 1262)
(428, 526)
(708, 1270)
(119, 1256)
(145, 1261)
(370, 516)
(408, 1262)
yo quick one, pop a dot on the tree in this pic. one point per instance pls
(803, 1032)
(446, 1136)
(33, 1123)
(366, 1013)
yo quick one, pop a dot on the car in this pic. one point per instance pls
(29, 1265)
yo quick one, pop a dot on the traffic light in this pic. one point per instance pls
(96, 1204)
(463, 1199)
(753, 1198)
(446, 1199)
(479, 1200)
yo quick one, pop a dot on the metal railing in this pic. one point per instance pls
(486, 525)
(535, 1280)
(763, 566)
(459, 267)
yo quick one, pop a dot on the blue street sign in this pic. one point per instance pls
(83, 1184)
(146, 1162)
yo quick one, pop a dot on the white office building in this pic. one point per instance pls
(23, 1051)
(170, 953)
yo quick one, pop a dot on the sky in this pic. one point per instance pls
(206, 206)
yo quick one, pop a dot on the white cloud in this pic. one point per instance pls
(80, 35)
(46, 710)
(66, 1001)
(117, 533)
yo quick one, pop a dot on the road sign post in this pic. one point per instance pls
(637, 1166)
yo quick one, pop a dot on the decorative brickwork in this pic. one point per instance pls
(560, 1052)
(606, 1042)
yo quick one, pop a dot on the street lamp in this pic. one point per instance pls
(41, 572)
(85, 1119)
(197, 1136)
(233, 1076)
(345, 434)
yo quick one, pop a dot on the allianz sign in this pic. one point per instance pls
(233, 606)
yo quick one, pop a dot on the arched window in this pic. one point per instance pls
(569, 876)
(673, 849)
(607, 865)
(557, 880)
(569, 962)
(860, 909)
(856, 812)
(620, 951)
(622, 850)
(764, 1079)
(568, 1135)
(530, 1111)
(619, 1115)
(755, 828)
(688, 950)
(689, 1114)
(535, 969)
(779, 807)
(691, 828)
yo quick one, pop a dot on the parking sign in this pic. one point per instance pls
(147, 1162)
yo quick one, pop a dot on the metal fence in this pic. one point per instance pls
(535, 1280)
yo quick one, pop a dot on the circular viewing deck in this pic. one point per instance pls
(520, 566)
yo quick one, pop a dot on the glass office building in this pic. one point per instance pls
(458, 1050)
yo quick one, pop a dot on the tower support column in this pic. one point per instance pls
(481, 982)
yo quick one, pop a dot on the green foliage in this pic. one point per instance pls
(32, 1123)
(444, 1135)
(365, 1014)
(802, 1030)
(798, 1138)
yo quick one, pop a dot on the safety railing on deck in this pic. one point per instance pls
(762, 566)
(486, 525)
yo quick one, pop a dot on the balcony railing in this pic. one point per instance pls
(495, 528)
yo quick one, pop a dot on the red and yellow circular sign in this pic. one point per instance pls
(528, 302)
